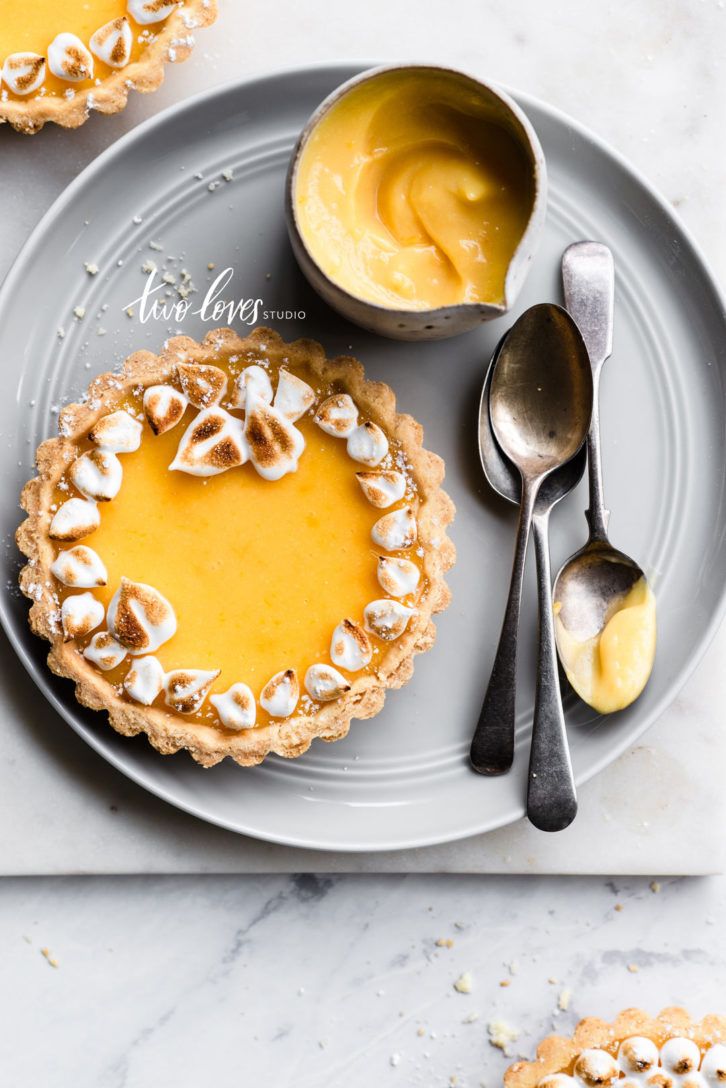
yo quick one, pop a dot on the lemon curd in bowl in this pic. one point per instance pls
(412, 192)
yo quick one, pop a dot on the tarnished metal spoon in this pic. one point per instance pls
(593, 581)
(551, 794)
(540, 405)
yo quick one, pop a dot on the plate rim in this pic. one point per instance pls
(343, 70)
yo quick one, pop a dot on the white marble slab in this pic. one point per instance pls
(320, 982)
(649, 80)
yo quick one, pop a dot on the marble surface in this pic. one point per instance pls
(647, 79)
(321, 982)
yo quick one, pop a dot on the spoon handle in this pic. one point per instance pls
(551, 796)
(492, 748)
(588, 281)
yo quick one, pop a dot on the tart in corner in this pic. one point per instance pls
(670, 1050)
(236, 546)
(60, 59)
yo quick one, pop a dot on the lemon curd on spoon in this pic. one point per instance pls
(411, 194)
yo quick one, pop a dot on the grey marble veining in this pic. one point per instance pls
(324, 982)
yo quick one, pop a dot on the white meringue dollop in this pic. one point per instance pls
(293, 396)
(324, 683)
(74, 519)
(396, 530)
(164, 407)
(713, 1067)
(637, 1055)
(253, 379)
(80, 613)
(350, 646)
(387, 619)
(112, 42)
(150, 11)
(186, 689)
(399, 577)
(382, 488)
(596, 1068)
(367, 444)
(79, 567)
(140, 618)
(337, 415)
(69, 59)
(274, 443)
(236, 707)
(212, 443)
(97, 474)
(144, 680)
(104, 651)
(118, 432)
(280, 694)
(23, 73)
(202, 384)
(680, 1056)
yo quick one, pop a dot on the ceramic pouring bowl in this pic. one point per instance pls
(443, 321)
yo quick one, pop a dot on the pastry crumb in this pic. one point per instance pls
(563, 1001)
(444, 942)
(633, 968)
(464, 983)
(92, 269)
(655, 887)
(51, 960)
(79, 312)
(501, 1034)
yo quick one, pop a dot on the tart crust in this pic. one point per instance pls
(556, 1054)
(166, 731)
(174, 41)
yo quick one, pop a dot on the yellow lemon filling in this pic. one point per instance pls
(610, 670)
(258, 572)
(410, 195)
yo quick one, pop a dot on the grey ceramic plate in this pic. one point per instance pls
(401, 779)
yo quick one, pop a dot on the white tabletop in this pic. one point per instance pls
(647, 79)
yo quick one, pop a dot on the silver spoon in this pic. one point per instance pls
(594, 580)
(540, 405)
(551, 795)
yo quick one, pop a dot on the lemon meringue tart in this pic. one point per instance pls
(236, 546)
(635, 1051)
(59, 59)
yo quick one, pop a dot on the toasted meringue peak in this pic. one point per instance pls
(714, 1065)
(398, 577)
(253, 379)
(236, 707)
(80, 613)
(280, 694)
(368, 444)
(140, 618)
(23, 72)
(97, 474)
(186, 689)
(350, 646)
(69, 59)
(396, 530)
(150, 11)
(275, 444)
(212, 443)
(387, 619)
(144, 680)
(293, 396)
(104, 651)
(596, 1068)
(337, 415)
(203, 385)
(680, 1056)
(382, 488)
(80, 567)
(558, 1080)
(638, 1055)
(164, 406)
(325, 683)
(112, 42)
(118, 432)
(74, 520)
